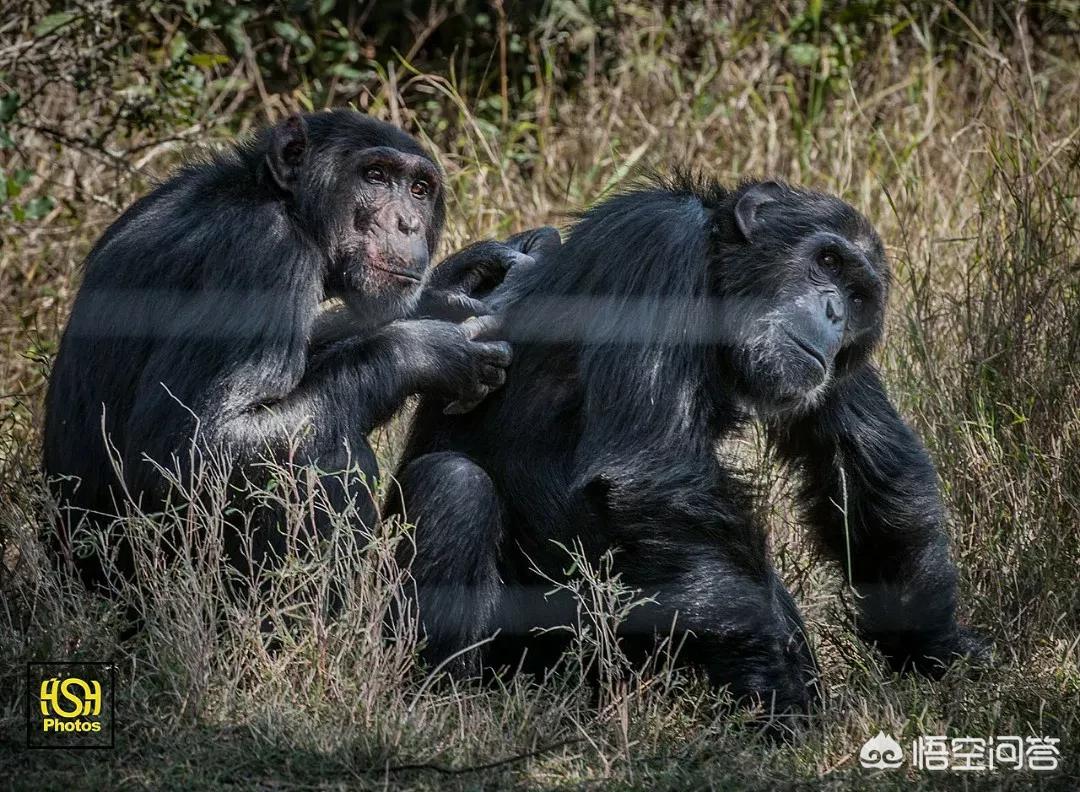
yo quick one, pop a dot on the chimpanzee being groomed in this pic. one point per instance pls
(670, 317)
(199, 319)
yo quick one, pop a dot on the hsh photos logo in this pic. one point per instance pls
(69, 705)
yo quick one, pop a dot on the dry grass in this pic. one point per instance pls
(968, 161)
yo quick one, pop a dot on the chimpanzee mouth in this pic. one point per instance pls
(400, 273)
(815, 354)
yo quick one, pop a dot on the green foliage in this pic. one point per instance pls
(11, 191)
(823, 46)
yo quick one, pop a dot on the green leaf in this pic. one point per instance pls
(804, 54)
(5, 139)
(9, 103)
(208, 60)
(39, 207)
(52, 23)
(346, 71)
(286, 31)
(178, 47)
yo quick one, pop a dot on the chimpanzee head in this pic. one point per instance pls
(804, 292)
(369, 196)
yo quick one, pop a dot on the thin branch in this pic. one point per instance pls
(457, 771)
(83, 144)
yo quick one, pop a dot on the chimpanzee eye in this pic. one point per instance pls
(420, 188)
(375, 174)
(829, 260)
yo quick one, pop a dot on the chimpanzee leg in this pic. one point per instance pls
(454, 557)
(345, 486)
(797, 643)
(742, 628)
(704, 565)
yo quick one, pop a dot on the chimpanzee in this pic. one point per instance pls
(199, 319)
(672, 315)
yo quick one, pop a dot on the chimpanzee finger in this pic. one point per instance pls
(479, 328)
(496, 353)
(536, 241)
(492, 376)
(451, 273)
(463, 307)
(490, 271)
(465, 404)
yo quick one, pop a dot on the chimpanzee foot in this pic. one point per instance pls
(784, 698)
(932, 656)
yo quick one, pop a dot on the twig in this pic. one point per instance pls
(456, 771)
(504, 93)
(83, 144)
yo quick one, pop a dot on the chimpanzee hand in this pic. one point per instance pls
(455, 287)
(458, 361)
(537, 244)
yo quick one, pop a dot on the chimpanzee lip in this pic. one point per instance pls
(399, 272)
(805, 347)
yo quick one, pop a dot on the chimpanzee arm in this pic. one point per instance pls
(871, 492)
(351, 384)
(367, 380)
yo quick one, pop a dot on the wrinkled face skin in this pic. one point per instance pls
(369, 196)
(804, 296)
(386, 216)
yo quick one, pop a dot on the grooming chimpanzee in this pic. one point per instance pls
(670, 317)
(199, 318)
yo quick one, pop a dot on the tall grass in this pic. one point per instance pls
(955, 129)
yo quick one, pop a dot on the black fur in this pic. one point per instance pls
(199, 319)
(671, 316)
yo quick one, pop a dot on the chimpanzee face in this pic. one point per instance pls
(385, 242)
(806, 293)
(373, 199)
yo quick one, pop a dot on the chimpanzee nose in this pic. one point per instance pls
(408, 225)
(834, 307)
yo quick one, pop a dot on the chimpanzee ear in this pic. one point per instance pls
(288, 152)
(597, 495)
(747, 208)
